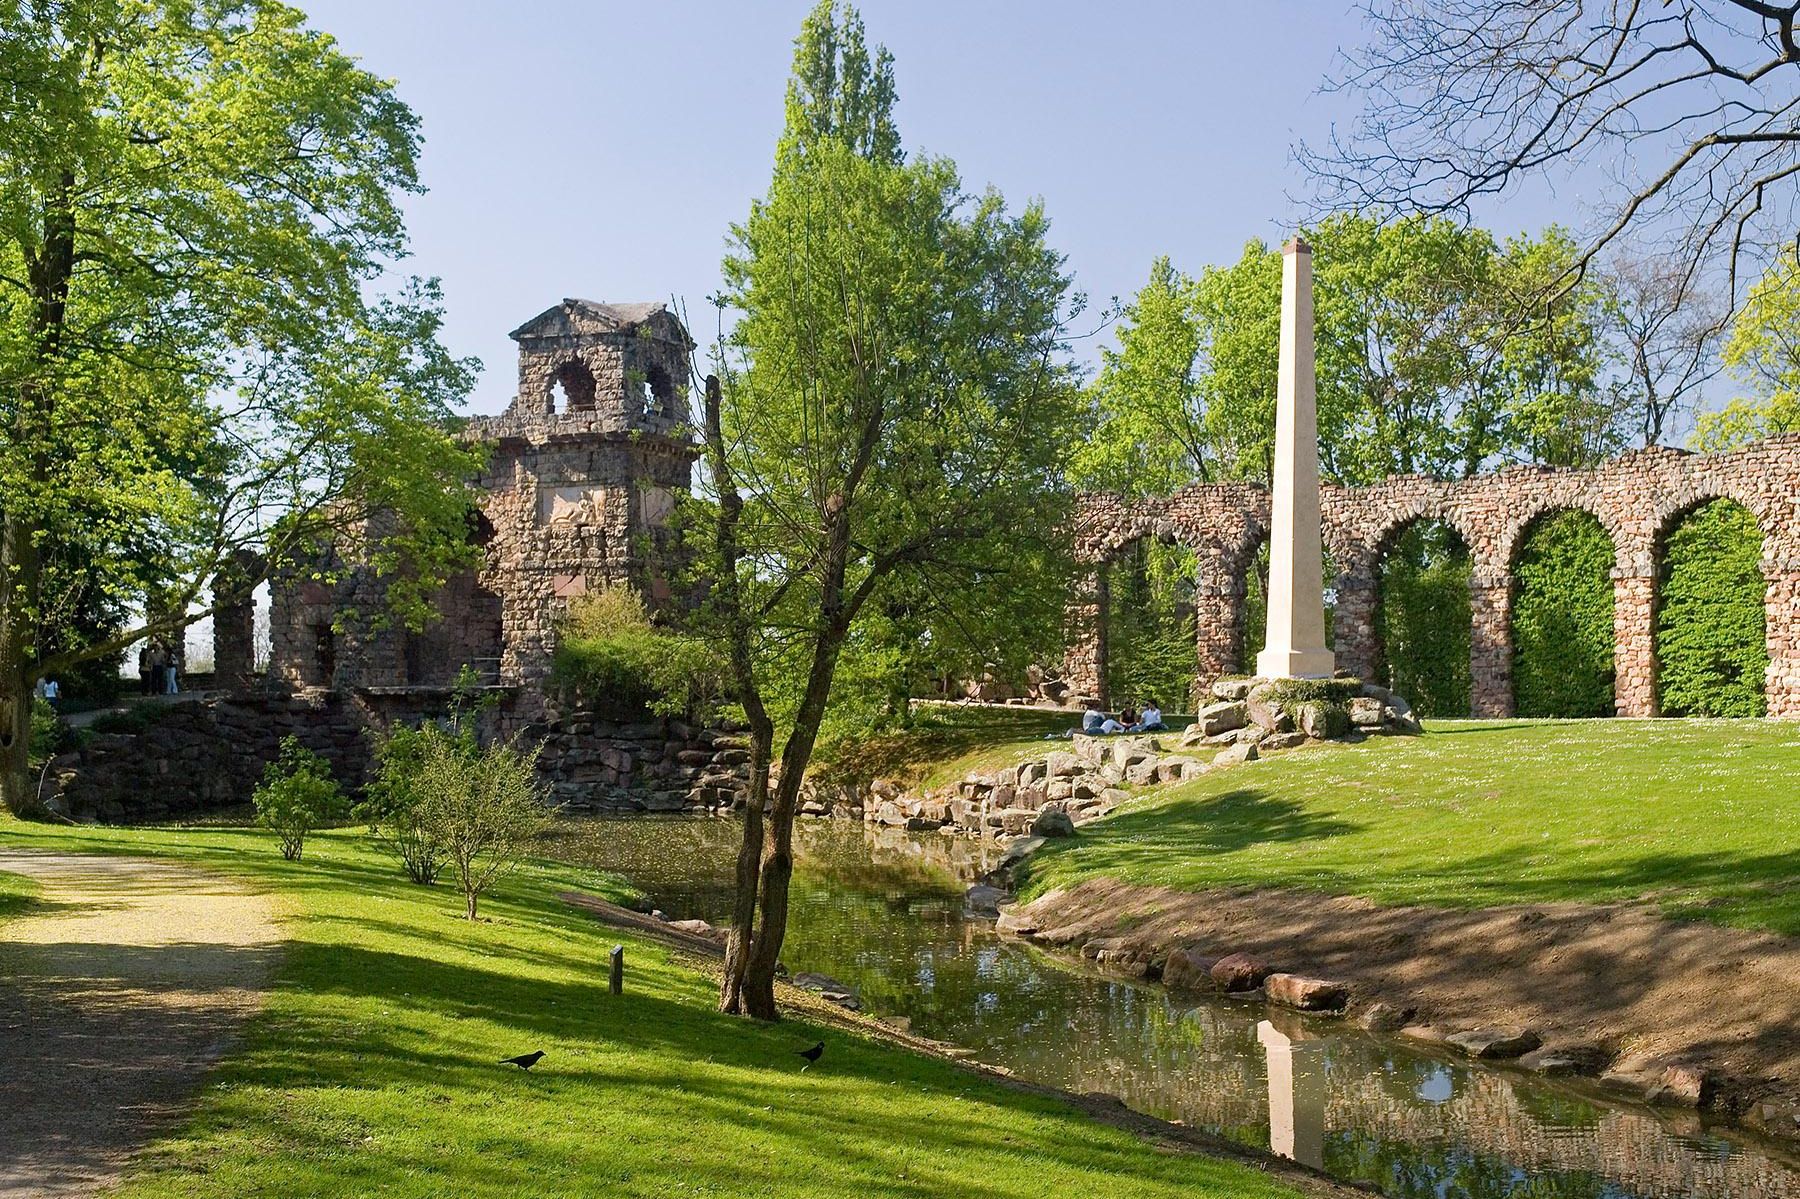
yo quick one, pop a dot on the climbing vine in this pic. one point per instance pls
(1562, 618)
(1423, 624)
(1710, 646)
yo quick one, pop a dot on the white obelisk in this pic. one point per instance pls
(1295, 648)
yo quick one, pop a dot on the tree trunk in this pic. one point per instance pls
(471, 898)
(18, 561)
(749, 872)
(17, 788)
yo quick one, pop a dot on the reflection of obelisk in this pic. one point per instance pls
(1296, 1096)
(1295, 647)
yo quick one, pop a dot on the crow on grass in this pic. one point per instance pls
(811, 1055)
(524, 1061)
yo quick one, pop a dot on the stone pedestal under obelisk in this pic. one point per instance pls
(1295, 647)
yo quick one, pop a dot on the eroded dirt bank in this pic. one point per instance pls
(1632, 992)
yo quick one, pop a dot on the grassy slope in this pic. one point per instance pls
(945, 743)
(1702, 816)
(372, 1071)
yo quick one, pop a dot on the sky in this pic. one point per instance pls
(602, 150)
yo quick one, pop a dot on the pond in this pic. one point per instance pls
(883, 911)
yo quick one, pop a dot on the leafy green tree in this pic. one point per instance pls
(894, 406)
(1763, 355)
(1562, 618)
(296, 796)
(196, 357)
(1710, 649)
(481, 807)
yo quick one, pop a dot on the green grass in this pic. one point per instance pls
(947, 742)
(17, 894)
(372, 1069)
(1701, 816)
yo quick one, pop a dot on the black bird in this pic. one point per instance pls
(811, 1055)
(524, 1061)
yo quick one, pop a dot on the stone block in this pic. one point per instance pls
(1220, 718)
(1305, 994)
(1239, 972)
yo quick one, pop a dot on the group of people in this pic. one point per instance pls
(159, 669)
(1097, 722)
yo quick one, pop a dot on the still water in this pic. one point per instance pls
(883, 911)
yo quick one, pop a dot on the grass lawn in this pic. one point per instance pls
(372, 1070)
(1702, 816)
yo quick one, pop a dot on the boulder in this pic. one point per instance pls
(1564, 1059)
(1059, 789)
(1032, 773)
(1683, 1085)
(1186, 968)
(1128, 752)
(1019, 850)
(1493, 1043)
(1052, 823)
(1142, 774)
(1220, 718)
(1384, 1017)
(1278, 741)
(1366, 712)
(1323, 721)
(1239, 972)
(1232, 689)
(1175, 769)
(1064, 765)
(983, 900)
(1112, 797)
(1231, 755)
(1305, 994)
(1016, 922)
(1266, 712)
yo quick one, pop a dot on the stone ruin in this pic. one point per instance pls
(1637, 498)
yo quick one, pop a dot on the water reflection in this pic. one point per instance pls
(883, 911)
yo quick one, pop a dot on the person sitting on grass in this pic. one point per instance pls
(1093, 718)
(1151, 720)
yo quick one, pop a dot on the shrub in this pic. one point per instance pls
(297, 795)
(482, 808)
(1290, 694)
(50, 735)
(613, 659)
(1562, 618)
(1709, 624)
(392, 800)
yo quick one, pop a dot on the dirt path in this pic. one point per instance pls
(117, 993)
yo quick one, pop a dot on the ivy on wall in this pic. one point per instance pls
(1710, 647)
(1562, 618)
(1422, 623)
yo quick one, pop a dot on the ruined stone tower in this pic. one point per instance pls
(587, 462)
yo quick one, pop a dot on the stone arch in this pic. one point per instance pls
(573, 385)
(1561, 611)
(1426, 627)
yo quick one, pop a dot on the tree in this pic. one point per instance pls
(1667, 336)
(892, 408)
(482, 807)
(1438, 352)
(1763, 354)
(1693, 105)
(195, 356)
(296, 796)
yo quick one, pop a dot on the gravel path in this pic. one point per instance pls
(117, 994)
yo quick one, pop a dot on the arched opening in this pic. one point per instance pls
(1423, 620)
(659, 391)
(1562, 617)
(572, 389)
(1149, 624)
(467, 633)
(1711, 651)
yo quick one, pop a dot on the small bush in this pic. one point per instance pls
(482, 808)
(49, 734)
(392, 801)
(612, 659)
(1292, 693)
(297, 795)
(131, 721)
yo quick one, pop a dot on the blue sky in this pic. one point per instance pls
(601, 149)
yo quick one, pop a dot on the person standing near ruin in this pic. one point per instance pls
(146, 670)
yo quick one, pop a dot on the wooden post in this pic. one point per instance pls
(618, 969)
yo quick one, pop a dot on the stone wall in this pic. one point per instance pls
(1637, 498)
(201, 755)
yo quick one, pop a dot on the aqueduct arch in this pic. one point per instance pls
(1635, 497)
